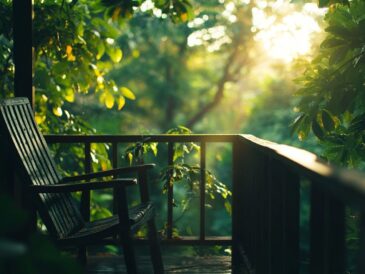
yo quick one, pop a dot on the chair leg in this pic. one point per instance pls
(82, 255)
(155, 248)
(129, 254)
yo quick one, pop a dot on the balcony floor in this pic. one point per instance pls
(173, 264)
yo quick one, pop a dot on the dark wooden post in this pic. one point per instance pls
(86, 195)
(291, 189)
(170, 191)
(284, 218)
(327, 232)
(262, 203)
(23, 87)
(23, 55)
(243, 236)
(6, 160)
(22, 25)
(202, 189)
(237, 263)
(361, 255)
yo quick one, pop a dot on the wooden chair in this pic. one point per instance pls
(57, 208)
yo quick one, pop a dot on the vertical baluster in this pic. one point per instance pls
(238, 213)
(250, 206)
(276, 223)
(202, 189)
(243, 210)
(336, 231)
(260, 180)
(284, 219)
(115, 155)
(291, 188)
(170, 191)
(115, 165)
(85, 199)
(85, 196)
(316, 230)
(361, 255)
(327, 233)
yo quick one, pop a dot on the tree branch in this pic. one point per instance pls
(226, 76)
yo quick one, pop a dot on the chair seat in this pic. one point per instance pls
(138, 215)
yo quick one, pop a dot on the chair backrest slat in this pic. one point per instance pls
(49, 166)
(44, 168)
(58, 211)
(24, 150)
(47, 160)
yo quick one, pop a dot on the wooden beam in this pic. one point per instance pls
(23, 55)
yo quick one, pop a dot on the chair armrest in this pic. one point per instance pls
(112, 172)
(73, 187)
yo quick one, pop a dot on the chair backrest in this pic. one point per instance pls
(59, 212)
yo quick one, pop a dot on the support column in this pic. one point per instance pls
(23, 53)
(23, 87)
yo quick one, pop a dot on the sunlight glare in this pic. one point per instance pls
(288, 37)
(215, 35)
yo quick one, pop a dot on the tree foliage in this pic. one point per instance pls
(332, 97)
(74, 50)
(168, 64)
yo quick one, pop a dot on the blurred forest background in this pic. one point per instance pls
(291, 72)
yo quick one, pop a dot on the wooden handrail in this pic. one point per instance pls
(305, 163)
(266, 201)
(347, 185)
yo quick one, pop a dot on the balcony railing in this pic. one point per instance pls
(266, 202)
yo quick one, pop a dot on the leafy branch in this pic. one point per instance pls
(180, 171)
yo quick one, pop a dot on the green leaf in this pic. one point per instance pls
(101, 50)
(69, 95)
(109, 100)
(57, 111)
(153, 147)
(341, 100)
(357, 124)
(127, 93)
(338, 55)
(328, 120)
(332, 43)
(115, 54)
(297, 123)
(317, 130)
(130, 158)
(228, 207)
(339, 31)
(121, 102)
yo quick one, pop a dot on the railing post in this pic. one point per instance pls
(241, 225)
(327, 233)
(85, 196)
(170, 191)
(262, 199)
(291, 221)
(276, 218)
(202, 189)
(284, 219)
(23, 56)
(115, 165)
(361, 255)
(237, 262)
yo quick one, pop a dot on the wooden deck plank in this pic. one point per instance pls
(110, 264)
